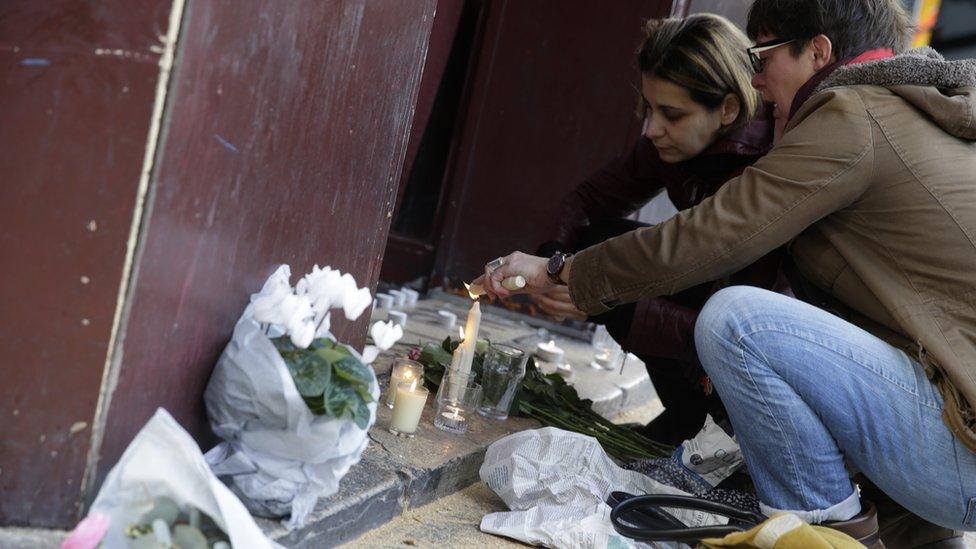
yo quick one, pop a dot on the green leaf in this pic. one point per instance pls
(314, 377)
(360, 415)
(364, 394)
(330, 354)
(341, 400)
(284, 345)
(351, 370)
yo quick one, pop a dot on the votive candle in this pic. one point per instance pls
(407, 408)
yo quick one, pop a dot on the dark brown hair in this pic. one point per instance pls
(853, 26)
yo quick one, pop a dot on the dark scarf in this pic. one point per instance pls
(808, 88)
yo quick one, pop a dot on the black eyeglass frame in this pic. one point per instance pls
(759, 63)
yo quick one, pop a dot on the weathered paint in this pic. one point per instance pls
(286, 131)
(72, 143)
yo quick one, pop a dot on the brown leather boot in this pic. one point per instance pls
(901, 529)
(862, 527)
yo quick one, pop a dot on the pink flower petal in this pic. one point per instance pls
(88, 533)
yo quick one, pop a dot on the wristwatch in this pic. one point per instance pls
(555, 267)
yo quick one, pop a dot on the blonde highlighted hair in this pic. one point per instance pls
(705, 54)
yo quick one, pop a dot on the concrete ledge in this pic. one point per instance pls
(396, 474)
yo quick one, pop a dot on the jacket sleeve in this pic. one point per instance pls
(617, 190)
(823, 163)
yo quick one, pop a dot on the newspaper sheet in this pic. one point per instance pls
(556, 484)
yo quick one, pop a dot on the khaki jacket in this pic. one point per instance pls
(873, 185)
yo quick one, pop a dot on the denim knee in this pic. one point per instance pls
(719, 319)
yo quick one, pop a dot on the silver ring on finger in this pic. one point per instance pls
(494, 264)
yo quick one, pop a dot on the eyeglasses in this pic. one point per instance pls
(759, 63)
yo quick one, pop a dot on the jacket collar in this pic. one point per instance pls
(811, 85)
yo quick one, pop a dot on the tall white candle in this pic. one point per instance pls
(408, 407)
(470, 342)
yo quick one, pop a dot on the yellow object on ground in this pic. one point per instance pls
(785, 531)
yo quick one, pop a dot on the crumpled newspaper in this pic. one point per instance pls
(556, 484)
(711, 456)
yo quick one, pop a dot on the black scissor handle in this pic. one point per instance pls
(656, 524)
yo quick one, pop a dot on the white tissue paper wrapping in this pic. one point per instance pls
(163, 461)
(277, 456)
(556, 484)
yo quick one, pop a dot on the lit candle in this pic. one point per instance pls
(451, 419)
(470, 339)
(456, 357)
(404, 371)
(549, 352)
(407, 408)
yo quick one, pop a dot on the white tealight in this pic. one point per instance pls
(411, 296)
(399, 318)
(549, 352)
(384, 301)
(447, 318)
(399, 298)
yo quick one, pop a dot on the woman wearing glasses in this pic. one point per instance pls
(704, 124)
(873, 187)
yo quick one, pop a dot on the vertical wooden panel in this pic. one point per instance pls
(553, 100)
(77, 90)
(286, 133)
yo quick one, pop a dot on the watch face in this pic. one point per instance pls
(555, 264)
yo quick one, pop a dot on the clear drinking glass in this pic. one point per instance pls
(404, 371)
(457, 398)
(501, 375)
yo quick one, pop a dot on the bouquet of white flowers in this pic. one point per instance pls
(292, 404)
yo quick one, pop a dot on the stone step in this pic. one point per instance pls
(397, 474)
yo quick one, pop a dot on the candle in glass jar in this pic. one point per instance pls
(451, 417)
(407, 408)
(404, 371)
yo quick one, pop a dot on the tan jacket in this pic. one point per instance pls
(873, 186)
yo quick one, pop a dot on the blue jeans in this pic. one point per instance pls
(812, 397)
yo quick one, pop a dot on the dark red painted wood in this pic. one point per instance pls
(285, 141)
(553, 100)
(76, 93)
(439, 49)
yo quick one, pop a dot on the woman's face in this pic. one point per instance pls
(679, 127)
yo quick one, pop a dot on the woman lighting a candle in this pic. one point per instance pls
(703, 125)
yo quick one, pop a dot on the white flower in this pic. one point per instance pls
(295, 311)
(370, 352)
(323, 328)
(355, 301)
(302, 335)
(385, 334)
(323, 287)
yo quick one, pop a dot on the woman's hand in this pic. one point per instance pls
(530, 267)
(558, 304)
